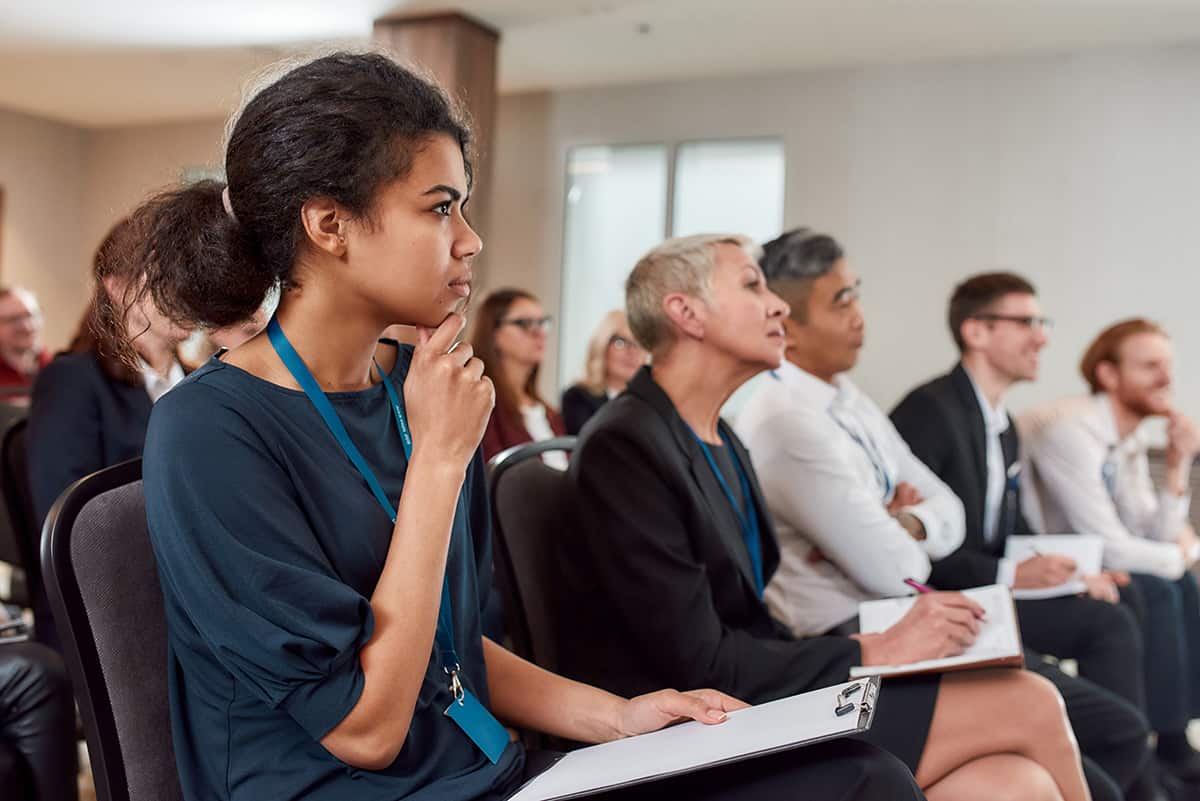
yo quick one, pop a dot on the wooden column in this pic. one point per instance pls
(461, 54)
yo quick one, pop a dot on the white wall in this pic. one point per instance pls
(1079, 171)
(41, 172)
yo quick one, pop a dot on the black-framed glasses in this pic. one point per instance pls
(1028, 321)
(528, 324)
(621, 343)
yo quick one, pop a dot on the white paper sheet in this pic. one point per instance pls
(998, 636)
(1086, 549)
(809, 717)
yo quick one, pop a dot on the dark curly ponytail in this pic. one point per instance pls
(340, 127)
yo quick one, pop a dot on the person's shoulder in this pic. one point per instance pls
(1076, 414)
(203, 403)
(70, 367)
(578, 392)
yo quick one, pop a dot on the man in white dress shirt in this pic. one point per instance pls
(1088, 471)
(855, 511)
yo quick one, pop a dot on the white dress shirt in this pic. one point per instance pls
(537, 423)
(829, 461)
(995, 422)
(1086, 480)
(158, 385)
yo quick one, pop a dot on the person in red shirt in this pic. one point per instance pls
(21, 351)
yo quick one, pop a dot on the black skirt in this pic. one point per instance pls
(903, 715)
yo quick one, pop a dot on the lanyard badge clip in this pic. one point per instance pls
(456, 688)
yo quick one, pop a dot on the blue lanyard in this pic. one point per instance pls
(750, 532)
(300, 371)
(873, 455)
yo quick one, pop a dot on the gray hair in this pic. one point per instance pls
(684, 265)
(796, 258)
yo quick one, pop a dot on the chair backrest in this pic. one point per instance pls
(103, 585)
(18, 503)
(528, 515)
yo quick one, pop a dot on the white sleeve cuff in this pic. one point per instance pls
(1006, 572)
(939, 541)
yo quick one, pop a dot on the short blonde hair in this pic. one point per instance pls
(595, 376)
(683, 264)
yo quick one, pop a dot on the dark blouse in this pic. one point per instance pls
(269, 546)
(578, 405)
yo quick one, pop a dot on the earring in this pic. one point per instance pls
(341, 239)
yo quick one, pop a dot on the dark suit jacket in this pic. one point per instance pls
(80, 421)
(657, 582)
(578, 405)
(943, 425)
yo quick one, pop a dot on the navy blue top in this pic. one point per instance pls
(80, 421)
(269, 545)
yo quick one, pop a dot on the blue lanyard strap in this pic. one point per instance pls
(749, 523)
(874, 455)
(299, 370)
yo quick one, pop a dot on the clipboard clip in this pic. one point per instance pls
(844, 705)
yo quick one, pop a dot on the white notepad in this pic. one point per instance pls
(998, 644)
(776, 726)
(1086, 549)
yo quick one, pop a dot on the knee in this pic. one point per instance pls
(1027, 781)
(881, 774)
(1040, 704)
(27, 668)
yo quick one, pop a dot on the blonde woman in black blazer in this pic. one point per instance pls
(662, 580)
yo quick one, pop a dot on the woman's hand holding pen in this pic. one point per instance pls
(446, 395)
(939, 625)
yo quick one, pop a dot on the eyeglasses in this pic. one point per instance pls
(1033, 323)
(528, 324)
(14, 319)
(621, 343)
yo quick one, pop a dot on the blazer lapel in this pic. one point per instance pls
(723, 517)
(976, 427)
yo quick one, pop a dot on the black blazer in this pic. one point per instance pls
(943, 425)
(80, 421)
(578, 405)
(656, 580)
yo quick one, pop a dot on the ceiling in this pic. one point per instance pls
(101, 63)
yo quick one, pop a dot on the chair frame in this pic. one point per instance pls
(500, 464)
(79, 645)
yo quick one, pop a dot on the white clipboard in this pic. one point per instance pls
(781, 725)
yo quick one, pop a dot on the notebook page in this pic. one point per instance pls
(1086, 549)
(998, 636)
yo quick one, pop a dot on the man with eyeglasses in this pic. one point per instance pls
(1088, 466)
(21, 351)
(857, 513)
(958, 425)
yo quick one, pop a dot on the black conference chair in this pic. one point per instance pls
(18, 541)
(528, 514)
(103, 585)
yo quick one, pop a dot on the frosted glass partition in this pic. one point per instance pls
(616, 210)
(729, 186)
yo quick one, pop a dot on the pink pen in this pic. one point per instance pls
(918, 586)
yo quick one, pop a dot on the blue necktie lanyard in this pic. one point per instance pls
(487, 732)
(750, 530)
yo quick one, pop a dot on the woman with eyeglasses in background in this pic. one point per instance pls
(509, 337)
(613, 356)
